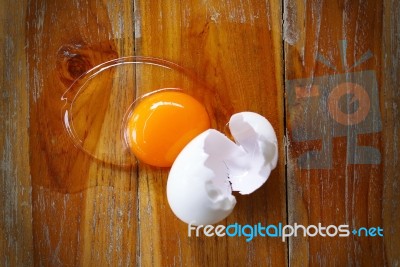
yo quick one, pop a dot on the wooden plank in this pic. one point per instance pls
(61, 207)
(334, 49)
(235, 47)
(84, 211)
(16, 247)
(391, 136)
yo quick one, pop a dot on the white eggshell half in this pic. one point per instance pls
(201, 180)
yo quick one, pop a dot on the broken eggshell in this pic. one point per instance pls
(211, 166)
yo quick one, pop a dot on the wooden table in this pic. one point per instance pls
(325, 73)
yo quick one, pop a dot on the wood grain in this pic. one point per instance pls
(61, 207)
(390, 113)
(346, 192)
(84, 212)
(16, 246)
(227, 44)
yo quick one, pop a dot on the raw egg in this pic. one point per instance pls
(162, 124)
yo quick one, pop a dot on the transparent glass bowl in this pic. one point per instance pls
(97, 104)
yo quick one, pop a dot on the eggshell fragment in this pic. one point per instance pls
(201, 180)
(253, 133)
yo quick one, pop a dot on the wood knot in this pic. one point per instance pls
(77, 65)
(73, 60)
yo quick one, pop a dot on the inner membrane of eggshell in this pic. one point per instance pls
(243, 166)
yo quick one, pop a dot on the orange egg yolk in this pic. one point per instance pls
(162, 124)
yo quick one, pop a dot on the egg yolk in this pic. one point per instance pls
(162, 124)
